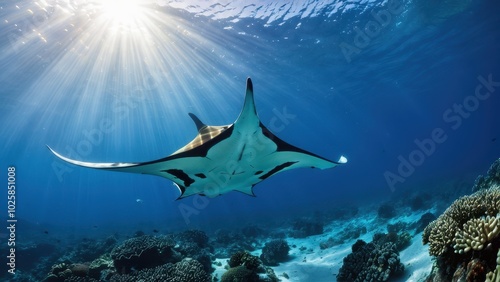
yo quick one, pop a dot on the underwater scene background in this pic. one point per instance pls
(406, 90)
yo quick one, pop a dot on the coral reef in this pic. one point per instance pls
(194, 236)
(69, 272)
(184, 256)
(246, 267)
(375, 261)
(476, 233)
(244, 259)
(185, 270)
(441, 233)
(90, 249)
(101, 268)
(419, 202)
(494, 276)
(465, 239)
(239, 274)
(474, 270)
(195, 244)
(401, 240)
(424, 220)
(142, 252)
(274, 252)
(229, 242)
(304, 228)
(492, 178)
(386, 211)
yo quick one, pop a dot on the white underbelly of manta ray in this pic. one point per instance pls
(227, 158)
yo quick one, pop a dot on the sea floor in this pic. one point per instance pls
(310, 258)
(308, 262)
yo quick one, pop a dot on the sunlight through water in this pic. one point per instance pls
(127, 13)
(132, 62)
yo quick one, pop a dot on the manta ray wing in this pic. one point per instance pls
(227, 158)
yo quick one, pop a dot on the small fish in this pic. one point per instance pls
(139, 201)
(46, 232)
(155, 231)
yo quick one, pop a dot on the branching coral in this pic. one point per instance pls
(476, 233)
(441, 236)
(465, 239)
(455, 226)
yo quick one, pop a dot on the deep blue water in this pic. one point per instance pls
(66, 68)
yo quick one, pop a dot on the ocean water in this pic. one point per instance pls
(408, 91)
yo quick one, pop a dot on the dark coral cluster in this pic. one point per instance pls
(195, 244)
(142, 252)
(244, 259)
(172, 258)
(275, 251)
(185, 270)
(304, 228)
(245, 267)
(424, 220)
(386, 211)
(89, 249)
(229, 242)
(492, 178)
(69, 272)
(374, 261)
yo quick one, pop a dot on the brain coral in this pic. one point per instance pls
(460, 218)
(141, 252)
(185, 270)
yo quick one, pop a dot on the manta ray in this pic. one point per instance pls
(226, 158)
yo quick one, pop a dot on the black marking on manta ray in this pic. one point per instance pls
(201, 175)
(200, 151)
(258, 172)
(276, 169)
(181, 175)
(282, 146)
(241, 153)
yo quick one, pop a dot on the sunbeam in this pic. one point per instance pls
(105, 59)
(127, 13)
